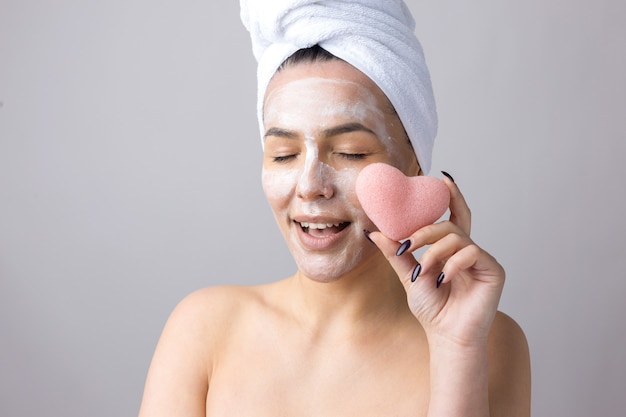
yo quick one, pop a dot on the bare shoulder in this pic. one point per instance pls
(212, 304)
(204, 311)
(208, 315)
(507, 334)
(182, 364)
(509, 368)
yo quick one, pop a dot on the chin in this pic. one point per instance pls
(324, 278)
(326, 269)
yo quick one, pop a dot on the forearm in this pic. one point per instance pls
(459, 379)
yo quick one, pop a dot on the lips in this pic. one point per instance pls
(320, 234)
(321, 230)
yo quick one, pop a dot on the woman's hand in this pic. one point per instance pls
(455, 288)
(454, 291)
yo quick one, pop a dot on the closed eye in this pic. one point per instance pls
(353, 156)
(283, 158)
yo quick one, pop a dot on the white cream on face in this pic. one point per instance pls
(314, 175)
(313, 105)
(313, 187)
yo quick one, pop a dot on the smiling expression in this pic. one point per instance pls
(323, 123)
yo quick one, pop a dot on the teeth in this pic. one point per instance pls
(318, 225)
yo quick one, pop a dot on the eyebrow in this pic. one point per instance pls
(347, 128)
(281, 133)
(326, 133)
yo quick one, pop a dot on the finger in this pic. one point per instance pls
(486, 268)
(441, 251)
(430, 234)
(460, 213)
(404, 264)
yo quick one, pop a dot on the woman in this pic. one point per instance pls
(362, 328)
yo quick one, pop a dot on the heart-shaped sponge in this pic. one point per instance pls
(399, 205)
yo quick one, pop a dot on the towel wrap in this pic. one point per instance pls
(375, 36)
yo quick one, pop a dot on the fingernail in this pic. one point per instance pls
(367, 235)
(440, 279)
(403, 247)
(448, 175)
(416, 272)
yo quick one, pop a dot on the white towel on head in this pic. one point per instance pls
(375, 36)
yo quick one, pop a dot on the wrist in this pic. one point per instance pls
(454, 356)
(459, 377)
(470, 345)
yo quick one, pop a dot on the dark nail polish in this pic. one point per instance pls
(448, 175)
(440, 279)
(367, 234)
(403, 247)
(416, 272)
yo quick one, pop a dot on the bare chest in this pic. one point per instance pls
(262, 375)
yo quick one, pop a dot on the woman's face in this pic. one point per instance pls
(323, 123)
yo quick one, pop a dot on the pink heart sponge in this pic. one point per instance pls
(399, 205)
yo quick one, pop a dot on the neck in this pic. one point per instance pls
(369, 294)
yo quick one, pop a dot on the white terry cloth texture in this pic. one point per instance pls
(375, 36)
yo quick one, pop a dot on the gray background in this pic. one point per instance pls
(130, 176)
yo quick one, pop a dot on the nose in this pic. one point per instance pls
(315, 181)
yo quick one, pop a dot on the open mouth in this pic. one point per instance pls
(322, 229)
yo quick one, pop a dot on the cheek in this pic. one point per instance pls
(279, 186)
(345, 180)
(345, 183)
